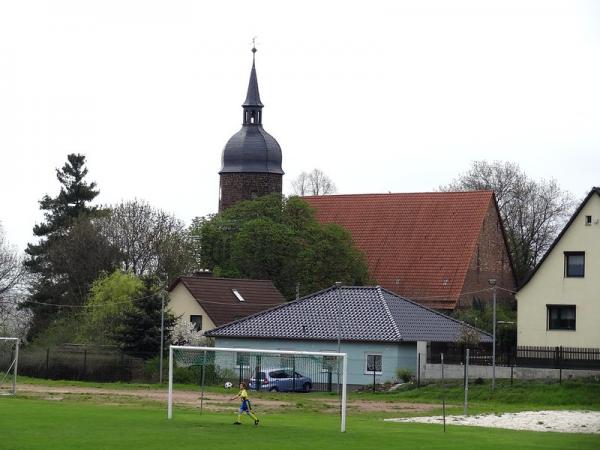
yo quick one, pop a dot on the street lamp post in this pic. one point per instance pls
(492, 282)
(338, 284)
(162, 335)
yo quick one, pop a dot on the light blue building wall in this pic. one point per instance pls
(394, 355)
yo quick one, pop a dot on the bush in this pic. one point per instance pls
(404, 374)
(479, 380)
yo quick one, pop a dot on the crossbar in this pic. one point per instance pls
(252, 350)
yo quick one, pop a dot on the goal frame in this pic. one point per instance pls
(13, 366)
(344, 357)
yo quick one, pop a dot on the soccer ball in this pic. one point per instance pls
(228, 385)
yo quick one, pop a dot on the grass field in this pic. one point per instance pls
(112, 422)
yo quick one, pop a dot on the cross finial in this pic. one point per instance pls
(254, 44)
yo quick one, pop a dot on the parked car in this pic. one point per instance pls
(281, 380)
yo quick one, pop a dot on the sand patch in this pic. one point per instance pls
(559, 421)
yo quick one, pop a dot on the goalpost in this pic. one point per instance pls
(9, 359)
(261, 369)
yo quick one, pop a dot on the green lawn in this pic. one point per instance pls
(27, 423)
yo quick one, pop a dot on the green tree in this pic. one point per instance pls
(111, 296)
(70, 253)
(480, 315)
(279, 239)
(138, 332)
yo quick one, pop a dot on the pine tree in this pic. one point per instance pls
(70, 253)
(139, 332)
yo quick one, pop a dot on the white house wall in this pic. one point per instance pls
(550, 286)
(182, 303)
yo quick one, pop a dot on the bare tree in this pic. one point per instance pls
(313, 183)
(533, 211)
(13, 321)
(151, 241)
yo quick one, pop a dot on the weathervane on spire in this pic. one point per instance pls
(253, 47)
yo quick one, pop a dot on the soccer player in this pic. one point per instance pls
(245, 406)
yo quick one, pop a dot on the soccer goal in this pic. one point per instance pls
(224, 368)
(9, 359)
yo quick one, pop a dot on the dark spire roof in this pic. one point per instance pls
(252, 149)
(253, 96)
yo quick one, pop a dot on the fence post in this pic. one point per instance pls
(419, 369)
(560, 365)
(47, 362)
(443, 393)
(373, 379)
(293, 373)
(466, 380)
(84, 361)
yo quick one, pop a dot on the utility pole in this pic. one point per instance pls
(162, 334)
(492, 282)
(338, 285)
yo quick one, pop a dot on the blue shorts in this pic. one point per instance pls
(245, 406)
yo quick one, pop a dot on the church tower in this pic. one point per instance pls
(251, 160)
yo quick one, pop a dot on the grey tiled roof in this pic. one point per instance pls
(368, 314)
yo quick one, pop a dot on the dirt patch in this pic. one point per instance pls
(214, 401)
(211, 401)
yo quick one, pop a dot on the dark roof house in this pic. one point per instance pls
(212, 302)
(438, 248)
(368, 314)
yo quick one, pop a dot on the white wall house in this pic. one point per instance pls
(210, 302)
(559, 304)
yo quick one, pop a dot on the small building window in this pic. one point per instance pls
(197, 321)
(588, 220)
(373, 363)
(574, 264)
(561, 317)
(238, 295)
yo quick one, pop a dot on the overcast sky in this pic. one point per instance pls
(381, 95)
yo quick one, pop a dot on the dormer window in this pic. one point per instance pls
(238, 295)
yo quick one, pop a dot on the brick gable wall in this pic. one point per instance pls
(489, 260)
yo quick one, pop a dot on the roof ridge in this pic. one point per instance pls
(462, 322)
(389, 313)
(192, 277)
(476, 191)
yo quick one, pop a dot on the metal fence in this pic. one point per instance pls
(77, 362)
(558, 357)
(534, 357)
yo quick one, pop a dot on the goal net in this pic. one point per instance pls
(9, 357)
(222, 369)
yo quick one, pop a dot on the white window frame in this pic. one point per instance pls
(370, 372)
(201, 322)
(238, 295)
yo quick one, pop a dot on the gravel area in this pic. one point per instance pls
(559, 421)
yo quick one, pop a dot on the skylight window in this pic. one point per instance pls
(238, 295)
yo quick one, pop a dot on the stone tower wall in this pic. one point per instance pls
(235, 187)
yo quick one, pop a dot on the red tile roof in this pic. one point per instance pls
(416, 244)
(216, 297)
